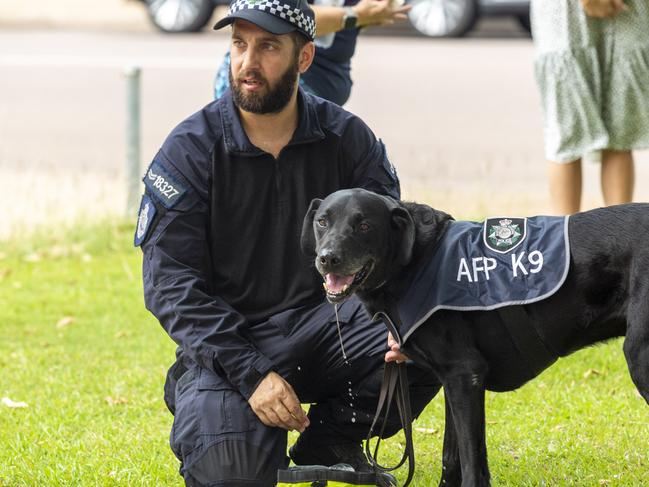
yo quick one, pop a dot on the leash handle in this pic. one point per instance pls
(395, 379)
(392, 328)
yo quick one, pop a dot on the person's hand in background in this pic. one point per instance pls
(380, 12)
(602, 9)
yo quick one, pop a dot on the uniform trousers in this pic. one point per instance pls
(220, 441)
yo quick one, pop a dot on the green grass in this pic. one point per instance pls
(95, 413)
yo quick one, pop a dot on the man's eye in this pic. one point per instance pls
(364, 227)
(322, 222)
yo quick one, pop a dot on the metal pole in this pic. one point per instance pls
(132, 74)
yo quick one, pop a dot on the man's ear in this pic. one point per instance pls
(307, 53)
(404, 224)
(307, 240)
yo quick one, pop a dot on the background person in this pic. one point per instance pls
(219, 228)
(338, 23)
(592, 67)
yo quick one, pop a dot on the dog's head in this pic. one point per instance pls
(358, 238)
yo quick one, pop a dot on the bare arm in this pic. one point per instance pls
(369, 12)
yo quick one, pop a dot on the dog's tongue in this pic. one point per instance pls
(335, 284)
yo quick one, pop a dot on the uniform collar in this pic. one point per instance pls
(237, 141)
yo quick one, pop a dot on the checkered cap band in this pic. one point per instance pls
(279, 9)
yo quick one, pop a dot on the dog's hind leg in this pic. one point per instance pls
(451, 469)
(636, 342)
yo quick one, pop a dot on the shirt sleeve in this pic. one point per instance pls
(176, 270)
(371, 170)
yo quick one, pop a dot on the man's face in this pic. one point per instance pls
(263, 68)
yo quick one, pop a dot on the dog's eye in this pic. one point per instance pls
(364, 227)
(322, 222)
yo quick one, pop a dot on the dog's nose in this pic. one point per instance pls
(328, 258)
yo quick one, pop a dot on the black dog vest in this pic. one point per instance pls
(484, 266)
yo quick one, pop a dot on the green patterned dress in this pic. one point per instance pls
(593, 76)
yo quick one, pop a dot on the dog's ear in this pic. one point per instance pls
(403, 222)
(307, 240)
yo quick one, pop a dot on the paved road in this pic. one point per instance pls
(460, 117)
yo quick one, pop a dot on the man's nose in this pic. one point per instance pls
(250, 59)
(328, 258)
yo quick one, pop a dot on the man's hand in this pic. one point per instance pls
(602, 9)
(275, 404)
(394, 354)
(379, 12)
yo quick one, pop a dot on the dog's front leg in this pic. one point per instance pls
(451, 469)
(465, 393)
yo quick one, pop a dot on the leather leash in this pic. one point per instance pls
(395, 381)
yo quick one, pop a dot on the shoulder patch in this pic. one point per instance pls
(144, 219)
(167, 189)
(387, 164)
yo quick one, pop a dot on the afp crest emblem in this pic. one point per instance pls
(504, 234)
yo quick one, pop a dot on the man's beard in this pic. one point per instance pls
(274, 100)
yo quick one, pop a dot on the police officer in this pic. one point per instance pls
(219, 228)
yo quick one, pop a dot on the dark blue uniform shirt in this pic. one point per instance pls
(220, 233)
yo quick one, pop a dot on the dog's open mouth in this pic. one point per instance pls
(339, 287)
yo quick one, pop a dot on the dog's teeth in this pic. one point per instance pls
(344, 288)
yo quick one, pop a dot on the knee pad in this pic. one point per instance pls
(236, 463)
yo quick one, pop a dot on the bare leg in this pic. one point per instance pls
(617, 177)
(565, 187)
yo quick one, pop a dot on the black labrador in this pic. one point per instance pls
(369, 244)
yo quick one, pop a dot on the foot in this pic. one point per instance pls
(328, 455)
(345, 453)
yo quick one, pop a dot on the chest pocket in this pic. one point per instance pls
(346, 312)
(290, 321)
